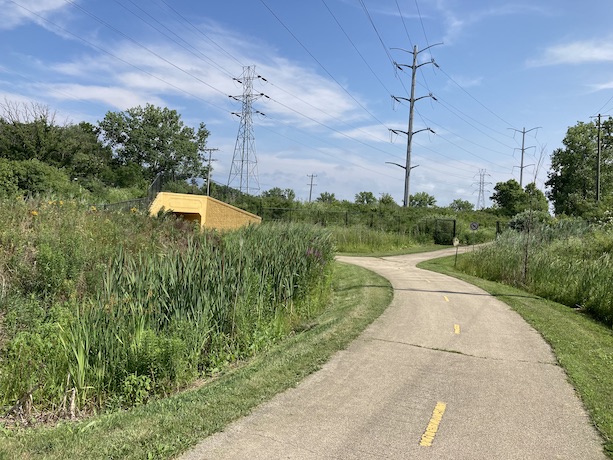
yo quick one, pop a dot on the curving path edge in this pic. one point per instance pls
(447, 372)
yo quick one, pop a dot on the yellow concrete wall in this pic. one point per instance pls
(212, 213)
(221, 216)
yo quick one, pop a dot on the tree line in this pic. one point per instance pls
(127, 149)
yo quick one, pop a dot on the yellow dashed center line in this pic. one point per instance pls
(456, 328)
(446, 298)
(432, 428)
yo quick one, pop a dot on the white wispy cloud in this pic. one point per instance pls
(457, 20)
(15, 14)
(370, 133)
(119, 98)
(336, 170)
(603, 86)
(578, 52)
(297, 94)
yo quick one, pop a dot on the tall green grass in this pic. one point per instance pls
(360, 239)
(121, 307)
(568, 262)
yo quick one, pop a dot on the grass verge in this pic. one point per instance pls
(399, 252)
(583, 347)
(166, 427)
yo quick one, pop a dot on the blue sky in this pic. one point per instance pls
(503, 66)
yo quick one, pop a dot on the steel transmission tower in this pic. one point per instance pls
(482, 184)
(244, 162)
(523, 151)
(414, 66)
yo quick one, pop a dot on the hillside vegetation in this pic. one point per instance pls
(103, 310)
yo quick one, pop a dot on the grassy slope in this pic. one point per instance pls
(583, 347)
(163, 428)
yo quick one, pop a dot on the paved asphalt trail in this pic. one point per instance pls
(446, 365)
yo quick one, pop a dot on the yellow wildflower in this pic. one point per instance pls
(92, 208)
(34, 213)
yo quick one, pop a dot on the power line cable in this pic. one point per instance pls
(187, 21)
(421, 20)
(404, 23)
(464, 118)
(304, 101)
(600, 110)
(198, 54)
(319, 63)
(340, 120)
(424, 119)
(355, 47)
(323, 152)
(475, 99)
(372, 23)
(137, 43)
(278, 102)
(118, 58)
(332, 129)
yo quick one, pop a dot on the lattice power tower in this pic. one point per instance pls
(244, 162)
(482, 184)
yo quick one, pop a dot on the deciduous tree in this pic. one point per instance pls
(459, 205)
(387, 200)
(572, 180)
(510, 199)
(326, 197)
(422, 200)
(365, 198)
(157, 140)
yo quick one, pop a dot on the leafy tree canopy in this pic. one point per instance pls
(365, 198)
(278, 198)
(422, 200)
(387, 200)
(510, 199)
(30, 132)
(459, 205)
(157, 141)
(285, 194)
(572, 179)
(326, 197)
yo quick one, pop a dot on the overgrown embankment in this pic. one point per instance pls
(570, 262)
(103, 310)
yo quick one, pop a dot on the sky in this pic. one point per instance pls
(325, 75)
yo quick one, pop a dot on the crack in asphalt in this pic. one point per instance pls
(457, 352)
